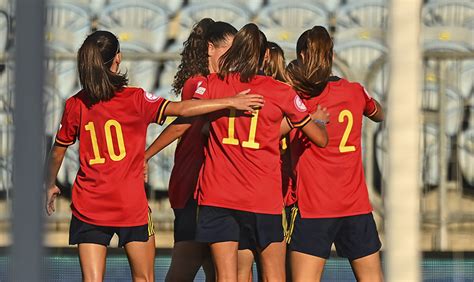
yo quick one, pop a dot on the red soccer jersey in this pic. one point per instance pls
(330, 181)
(242, 166)
(189, 154)
(109, 186)
(287, 177)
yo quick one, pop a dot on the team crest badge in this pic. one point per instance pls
(200, 90)
(300, 106)
(151, 97)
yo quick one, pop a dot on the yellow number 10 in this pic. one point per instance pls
(108, 138)
(343, 148)
(250, 143)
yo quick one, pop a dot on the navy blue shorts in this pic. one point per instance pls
(185, 222)
(252, 230)
(354, 236)
(82, 232)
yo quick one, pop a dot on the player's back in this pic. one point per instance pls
(330, 181)
(189, 153)
(242, 169)
(109, 185)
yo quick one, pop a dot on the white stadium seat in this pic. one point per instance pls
(283, 22)
(252, 6)
(447, 25)
(359, 55)
(466, 154)
(171, 6)
(362, 20)
(139, 25)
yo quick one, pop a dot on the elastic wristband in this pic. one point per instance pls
(320, 122)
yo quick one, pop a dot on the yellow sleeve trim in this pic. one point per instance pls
(302, 123)
(64, 143)
(161, 117)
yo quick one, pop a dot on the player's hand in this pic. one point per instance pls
(51, 195)
(321, 115)
(247, 102)
(145, 171)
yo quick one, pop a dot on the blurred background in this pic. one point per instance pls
(152, 32)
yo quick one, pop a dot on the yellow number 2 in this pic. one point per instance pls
(343, 148)
(108, 138)
(250, 143)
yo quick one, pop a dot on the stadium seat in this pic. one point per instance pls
(466, 154)
(252, 6)
(330, 5)
(170, 67)
(362, 20)
(160, 166)
(466, 81)
(454, 106)
(380, 83)
(4, 30)
(171, 6)
(62, 73)
(359, 55)
(142, 28)
(447, 25)
(53, 109)
(67, 25)
(6, 88)
(6, 148)
(92, 6)
(283, 22)
(139, 25)
(218, 11)
(141, 73)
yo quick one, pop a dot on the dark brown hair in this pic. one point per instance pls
(274, 66)
(314, 51)
(246, 54)
(94, 59)
(194, 57)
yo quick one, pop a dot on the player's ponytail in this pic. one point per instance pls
(246, 54)
(94, 59)
(274, 65)
(194, 57)
(310, 74)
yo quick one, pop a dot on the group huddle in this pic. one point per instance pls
(268, 166)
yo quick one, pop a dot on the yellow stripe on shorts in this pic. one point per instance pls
(151, 226)
(291, 224)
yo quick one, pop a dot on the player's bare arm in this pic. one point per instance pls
(55, 159)
(172, 132)
(241, 101)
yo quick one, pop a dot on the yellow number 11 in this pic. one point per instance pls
(231, 140)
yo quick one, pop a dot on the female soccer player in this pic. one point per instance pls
(239, 186)
(202, 50)
(274, 66)
(110, 121)
(333, 203)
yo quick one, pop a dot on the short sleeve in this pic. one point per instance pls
(370, 108)
(69, 126)
(194, 85)
(151, 106)
(200, 90)
(295, 110)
